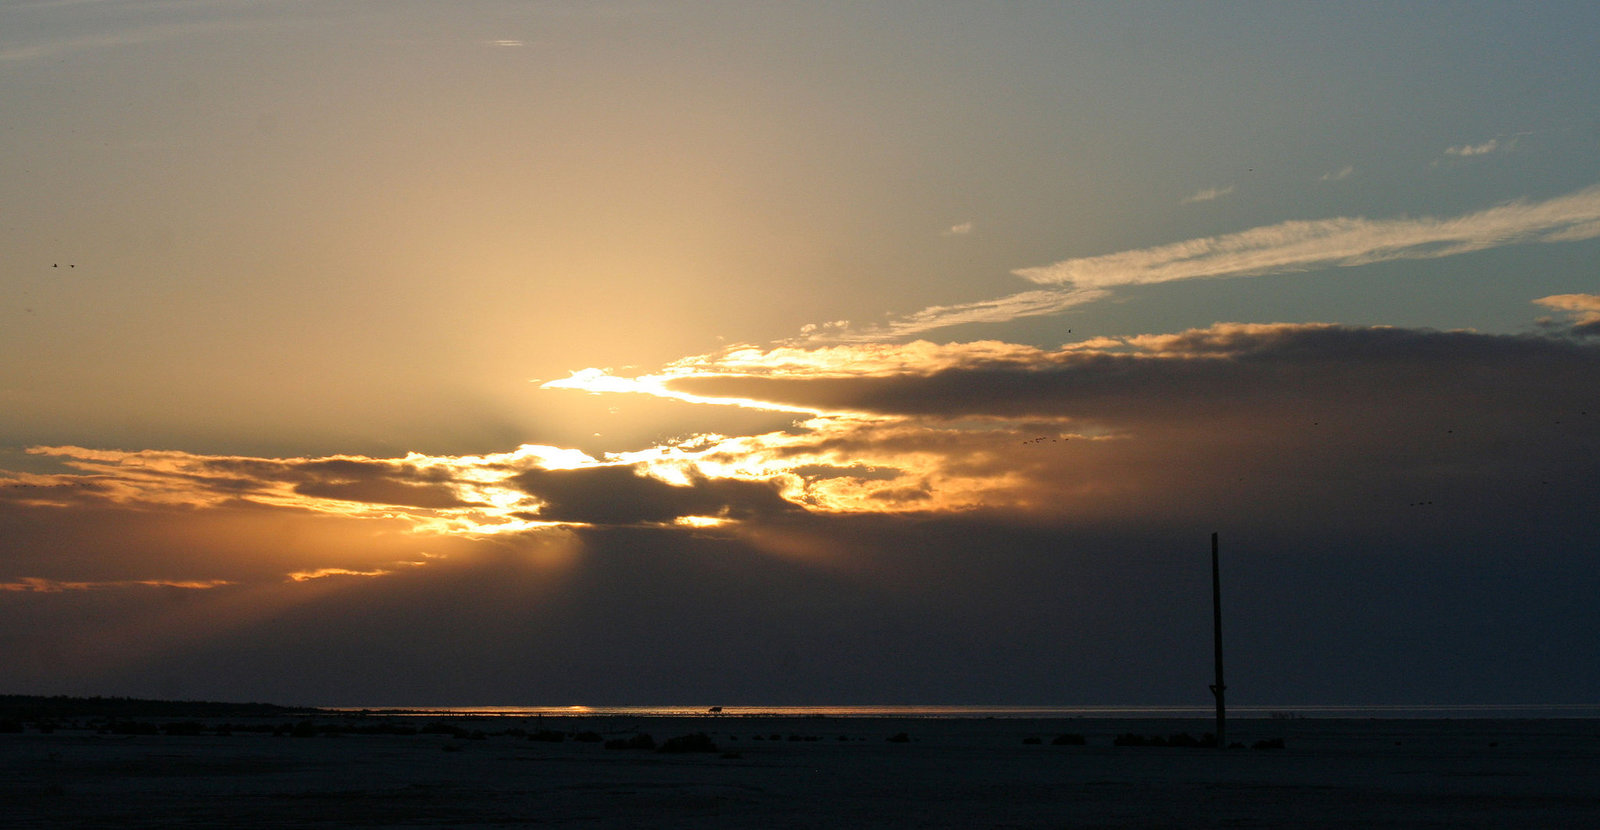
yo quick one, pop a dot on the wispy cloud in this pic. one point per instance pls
(1344, 172)
(36, 585)
(1286, 247)
(324, 573)
(1207, 195)
(1465, 150)
(160, 33)
(958, 230)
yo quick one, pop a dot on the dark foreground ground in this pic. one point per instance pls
(803, 772)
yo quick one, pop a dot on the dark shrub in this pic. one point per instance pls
(587, 737)
(899, 738)
(1071, 739)
(304, 729)
(1032, 740)
(548, 736)
(698, 742)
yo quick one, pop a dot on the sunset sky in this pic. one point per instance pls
(546, 353)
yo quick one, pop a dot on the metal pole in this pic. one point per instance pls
(1218, 688)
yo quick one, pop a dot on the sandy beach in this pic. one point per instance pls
(809, 772)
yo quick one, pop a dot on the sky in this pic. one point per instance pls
(665, 353)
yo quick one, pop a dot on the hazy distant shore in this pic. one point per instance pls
(318, 768)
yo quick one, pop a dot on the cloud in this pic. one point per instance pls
(943, 498)
(52, 586)
(1207, 195)
(958, 230)
(963, 426)
(43, 49)
(895, 428)
(1583, 309)
(1344, 172)
(1342, 241)
(999, 310)
(1286, 247)
(1468, 150)
(324, 573)
(623, 495)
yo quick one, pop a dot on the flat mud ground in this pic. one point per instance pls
(836, 773)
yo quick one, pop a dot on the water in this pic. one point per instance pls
(1463, 711)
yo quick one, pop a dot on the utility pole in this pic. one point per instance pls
(1218, 688)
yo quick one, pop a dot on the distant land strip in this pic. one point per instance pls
(32, 707)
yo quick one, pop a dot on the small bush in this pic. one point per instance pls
(899, 738)
(549, 736)
(587, 737)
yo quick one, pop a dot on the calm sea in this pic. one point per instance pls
(900, 711)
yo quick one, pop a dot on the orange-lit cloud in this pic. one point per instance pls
(910, 428)
(989, 481)
(1583, 309)
(53, 586)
